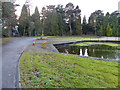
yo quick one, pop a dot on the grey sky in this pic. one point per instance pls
(86, 6)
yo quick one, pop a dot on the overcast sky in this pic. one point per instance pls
(86, 6)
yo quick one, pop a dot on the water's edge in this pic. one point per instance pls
(87, 56)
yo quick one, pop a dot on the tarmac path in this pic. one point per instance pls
(11, 53)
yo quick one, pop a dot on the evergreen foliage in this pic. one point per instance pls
(24, 21)
(59, 21)
(8, 18)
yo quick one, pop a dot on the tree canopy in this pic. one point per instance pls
(59, 20)
(8, 18)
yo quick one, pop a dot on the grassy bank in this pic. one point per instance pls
(73, 37)
(52, 70)
(4, 41)
(91, 43)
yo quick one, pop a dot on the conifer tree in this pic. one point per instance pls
(9, 17)
(55, 27)
(84, 26)
(24, 21)
(37, 22)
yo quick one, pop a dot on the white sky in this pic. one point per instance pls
(86, 6)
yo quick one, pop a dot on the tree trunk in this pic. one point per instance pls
(24, 32)
(9, 31)
(70, 28)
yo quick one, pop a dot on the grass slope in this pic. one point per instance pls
(91, 43)
(52, 70)
(74, 37)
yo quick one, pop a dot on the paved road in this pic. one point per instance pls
(10, 58)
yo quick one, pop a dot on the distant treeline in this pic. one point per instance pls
(58, 21)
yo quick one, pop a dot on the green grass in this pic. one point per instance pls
(52, 70)
(4, 41)
(73, 37)
(42, 37)
(91, 43)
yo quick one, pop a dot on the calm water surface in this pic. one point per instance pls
(98, 51)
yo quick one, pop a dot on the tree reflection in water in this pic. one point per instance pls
(99, 51)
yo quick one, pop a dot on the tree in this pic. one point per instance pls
(31, 28)
(84, 26)
(8, 17)
(69, 9)
(61, 22)
(104, 24)
(55, 27)
(78, 27)
(99, 21)
(114, 24)
(78, 20)
(118, 26)
(24, 21)
(48, 22)
(43, 17)
(101, 30)
(101, 24)
(109, 30)
(96, 20)
(37, 22)
(84, 20)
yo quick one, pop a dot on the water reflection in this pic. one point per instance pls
(86, 52)
(99, 51)
(81, 52)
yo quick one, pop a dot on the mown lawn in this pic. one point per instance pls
(53, 70)
(91, 43)
(73, 37)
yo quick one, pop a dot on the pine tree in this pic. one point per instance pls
(61, 22)
(84, 26)
(48, 24)
(37, 22)
(55, 27)
(43, 16)
(78, 20)
(24, 21)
